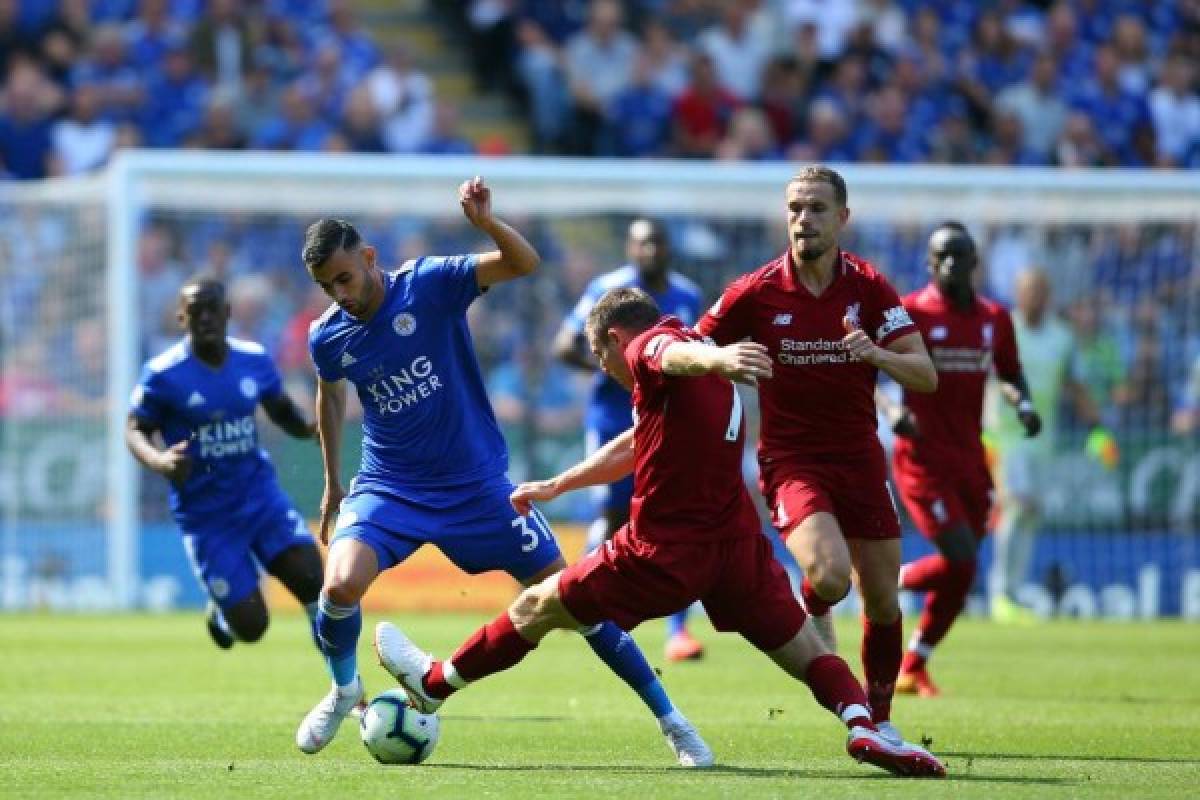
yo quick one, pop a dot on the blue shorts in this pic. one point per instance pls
(614, 496)
(229, 554)
(476, 528)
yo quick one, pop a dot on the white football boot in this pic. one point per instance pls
(407, 663)
(321, 724)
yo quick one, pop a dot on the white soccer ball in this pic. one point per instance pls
(395, 732)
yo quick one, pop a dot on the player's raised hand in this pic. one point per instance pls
(525, 495)
(175, 463)
(476, 200)
(857, 343)
(745, 362)
(331, 499)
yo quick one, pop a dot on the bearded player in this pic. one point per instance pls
(830, 322)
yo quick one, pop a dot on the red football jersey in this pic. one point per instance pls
(688, 440)
(820, 401)
(964, 346)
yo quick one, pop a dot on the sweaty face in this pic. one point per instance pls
(952, 258)
(608, 348)
(348, 278)
(815, 219)
(203, 313)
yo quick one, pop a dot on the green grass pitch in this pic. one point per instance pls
(146, 707)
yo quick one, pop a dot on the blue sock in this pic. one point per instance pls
(677, 622)
(617, 649)
(338, 628)
(311, 610)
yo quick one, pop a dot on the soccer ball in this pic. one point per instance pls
(395, 732)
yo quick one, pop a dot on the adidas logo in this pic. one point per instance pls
(196, 399)
(783, 319)
(348, 359)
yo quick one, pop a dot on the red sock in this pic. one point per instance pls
(942, 607)
(882, 649)
(814, 604)
(493, 648)
(835, 687)
(925, 574)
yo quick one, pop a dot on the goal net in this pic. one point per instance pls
(92, 268)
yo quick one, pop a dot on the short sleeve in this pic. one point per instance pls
(886, 319)
(328, 369)
(728, 320)
(149, 401)
(1004, 348)
(447, 281)
(270, 385)
(644, 355)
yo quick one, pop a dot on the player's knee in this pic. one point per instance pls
(830, 578)
(342, 593)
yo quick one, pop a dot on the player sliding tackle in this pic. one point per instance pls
(433, 459)
(693, 532)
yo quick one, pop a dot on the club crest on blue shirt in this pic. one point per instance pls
(404, 323)
(249, 388)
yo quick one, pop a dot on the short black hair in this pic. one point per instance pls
(325, 237)
(630, 308)
(953, 225)
(819, 172)
(203, 280)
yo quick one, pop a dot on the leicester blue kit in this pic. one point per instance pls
(433, 458)
(230, 509)
(609, 411)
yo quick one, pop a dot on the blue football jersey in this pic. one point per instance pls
(213, 409)
(427, 423)
(610, 408)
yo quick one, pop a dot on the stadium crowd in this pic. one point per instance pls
(1017, 82)
(865, 80)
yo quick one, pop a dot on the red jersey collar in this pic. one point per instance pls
(790, 284)
(935, 291)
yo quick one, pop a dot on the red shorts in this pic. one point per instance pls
(743, 588)
(939, 501)
(854, 490)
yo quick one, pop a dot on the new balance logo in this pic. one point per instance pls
(348, 360)
(196, 399)
(783, 319)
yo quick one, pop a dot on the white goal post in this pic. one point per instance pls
(193, 184)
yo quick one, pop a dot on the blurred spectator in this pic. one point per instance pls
(1133, 56)
(833, 22)
(82, 141)
(886, 135)
(107, 67)
(739, 47)
(749, 138)
(219, 129)
(1175, 108)
(828, 135)
(1186, 418)
(492, 43)
(356, 48)
(640, 114)
(599, 64)
(1007, 145)
(1100, 367)
(702, 112)
(64, 39)
(1079, 146)
(446, 139)
(784, 87)
(543, 80)
(1038, 106)
(25, 122)
(222, 45)
(360, 124)
(403, 98)
(295, 126)
(176, 98)
(1116, 114)
(665, 57)
(151, 34)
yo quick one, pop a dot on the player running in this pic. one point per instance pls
(200, 396)
(938, 461)
(433, 461)
(608, 412)
(830, 321)
(693, 532)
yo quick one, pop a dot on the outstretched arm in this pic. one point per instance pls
(744, 362)
(611, 462)
(331, 411)
(288, 416)
(514, 257)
